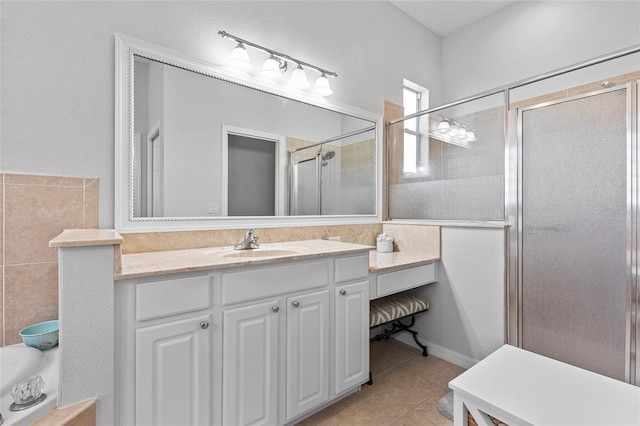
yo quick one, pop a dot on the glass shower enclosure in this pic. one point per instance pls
(556, 160)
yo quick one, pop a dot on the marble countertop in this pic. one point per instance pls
(147, 264)
(385, 261)
(173, 261)
(83, 412)
(86, 237)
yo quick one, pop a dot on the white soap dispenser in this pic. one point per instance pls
(384, 243)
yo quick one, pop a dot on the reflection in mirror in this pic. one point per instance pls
(334, 177)
(208, 148)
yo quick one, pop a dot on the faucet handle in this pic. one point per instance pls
(250, 233)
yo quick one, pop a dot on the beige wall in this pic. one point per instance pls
(33, 210)
(159, 241)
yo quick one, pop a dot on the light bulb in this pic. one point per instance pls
(240, 58)
(453, 129)
(322, 87)
(471, 136)
(299, 78)
(271, 68)
(462, 132)
(443, 126)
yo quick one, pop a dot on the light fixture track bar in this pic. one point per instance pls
(225, 34)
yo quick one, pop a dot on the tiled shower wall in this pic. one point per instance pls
(33, 210)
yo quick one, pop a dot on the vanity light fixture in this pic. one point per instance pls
(273, 67)
(277, 64)
(322, 87)
(451, 131)
(299, 78)
(443, 126)
(240, 58)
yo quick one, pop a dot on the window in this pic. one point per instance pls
(416, 144)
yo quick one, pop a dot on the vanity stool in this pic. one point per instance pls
(393, 309)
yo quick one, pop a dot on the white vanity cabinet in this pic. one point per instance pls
(164, 350)
(288, 329)
(307, 375)
(250, 364)
(402, 278)
(252, 351)
(173, 362)
(261, 344)
(351, 335)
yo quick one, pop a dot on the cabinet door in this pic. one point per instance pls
(250, 365)
(351, 336)
(173, 373)
(307, 352)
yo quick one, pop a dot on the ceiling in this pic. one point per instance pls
(446, 17)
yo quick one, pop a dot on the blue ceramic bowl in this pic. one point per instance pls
(43, 335)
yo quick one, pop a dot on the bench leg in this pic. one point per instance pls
(460, 416)
(415, 337)
(399, 326)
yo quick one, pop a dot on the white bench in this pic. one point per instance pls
(522, 388)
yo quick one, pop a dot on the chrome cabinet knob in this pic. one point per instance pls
(204, 325)
(343, 292)
(275, 309)
(295, 303)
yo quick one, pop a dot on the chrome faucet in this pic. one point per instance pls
(250, 241)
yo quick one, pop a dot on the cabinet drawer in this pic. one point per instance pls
(351, 268)
(393, 282)
(256, 284)
(162, 298)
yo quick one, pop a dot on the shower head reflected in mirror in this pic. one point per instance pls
(327, 156)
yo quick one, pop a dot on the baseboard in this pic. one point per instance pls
(439, 351)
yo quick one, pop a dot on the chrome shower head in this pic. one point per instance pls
(329, 155)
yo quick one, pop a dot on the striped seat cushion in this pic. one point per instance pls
(395, 306)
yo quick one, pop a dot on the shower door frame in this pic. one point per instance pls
(293, 182)
(513, 214)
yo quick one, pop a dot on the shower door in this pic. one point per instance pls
(305, 187)
(576, 231)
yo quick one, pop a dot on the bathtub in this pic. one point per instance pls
(18, 362)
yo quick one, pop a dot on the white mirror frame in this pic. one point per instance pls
(125, 222)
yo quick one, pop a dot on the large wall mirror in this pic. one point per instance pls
(198, 147)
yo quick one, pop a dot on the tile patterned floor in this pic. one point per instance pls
(406, 390)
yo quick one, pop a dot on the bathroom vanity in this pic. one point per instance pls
(217, 336)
